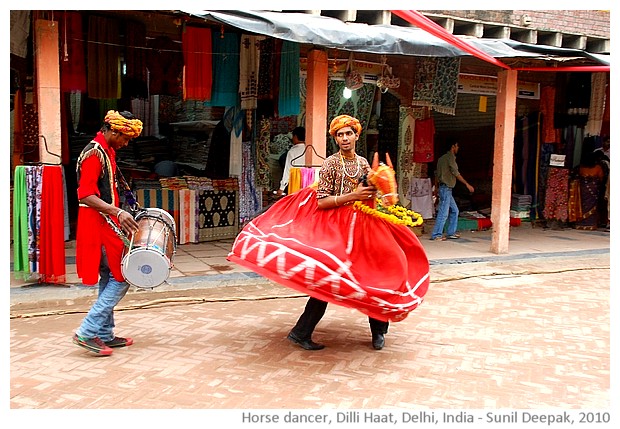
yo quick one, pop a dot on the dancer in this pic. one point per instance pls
(324, 242)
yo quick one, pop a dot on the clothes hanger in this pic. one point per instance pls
(48, 151)
(304, 153)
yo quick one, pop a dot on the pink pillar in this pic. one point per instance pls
(316, 105)
(502, 159)
(47, 68)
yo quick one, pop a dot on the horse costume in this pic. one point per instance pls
(362, 255)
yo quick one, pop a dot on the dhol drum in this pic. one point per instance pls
(148, 260)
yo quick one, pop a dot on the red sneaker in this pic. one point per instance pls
(119, 342)
(92, 345)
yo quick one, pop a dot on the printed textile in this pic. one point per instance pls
(435, 83)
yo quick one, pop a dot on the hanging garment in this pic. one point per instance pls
(421, 196)
(52, 244)
(424, 140)
(308, 176)
(556, 194)
(135, 77)
(197, 69)
(249, 201)
(597, 105)
(547, 107)
(72, 53)
(225, 89)
(249, 59)
(104, 56)
(34, 184)
(294, 180)
(21, 267)
(164, 60)
(336, 255)
(289, 87)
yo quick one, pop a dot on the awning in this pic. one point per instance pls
(378, 39)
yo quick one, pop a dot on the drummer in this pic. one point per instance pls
(103, 231)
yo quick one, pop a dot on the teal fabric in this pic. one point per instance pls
(289, 99)
(225, 89)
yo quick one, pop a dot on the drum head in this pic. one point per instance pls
(160, 214)
(145, 268)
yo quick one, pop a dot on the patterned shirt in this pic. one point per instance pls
(332, 177)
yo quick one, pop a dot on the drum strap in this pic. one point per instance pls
(130, 198)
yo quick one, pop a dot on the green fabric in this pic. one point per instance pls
(20, 223)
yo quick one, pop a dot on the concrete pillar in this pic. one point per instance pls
(502, 159)
(47, 68)
(316, 105)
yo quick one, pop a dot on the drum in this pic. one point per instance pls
(148, 260)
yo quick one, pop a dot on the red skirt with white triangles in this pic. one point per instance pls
(341, 255)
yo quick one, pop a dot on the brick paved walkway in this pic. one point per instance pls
(528, 341)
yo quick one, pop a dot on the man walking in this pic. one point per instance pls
(447, 174)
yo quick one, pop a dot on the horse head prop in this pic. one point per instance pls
(382, 176)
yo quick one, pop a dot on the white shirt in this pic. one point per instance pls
(295, 151)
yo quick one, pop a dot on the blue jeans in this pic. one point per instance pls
(446, 210)
(99, 322)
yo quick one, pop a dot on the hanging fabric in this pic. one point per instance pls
(294, 182)
(21, 267)
(52, 245)
(135, 77)
(597, 104)
(197, 68)
(104, 74)
(248, 71)
(289, 87)
(424, 140)
(73, 53)
(225, 70)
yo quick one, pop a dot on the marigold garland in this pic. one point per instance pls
(397, 214)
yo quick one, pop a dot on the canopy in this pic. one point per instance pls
(378, 39)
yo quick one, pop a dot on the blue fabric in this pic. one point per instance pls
(99, 322)
(289, 98)
(446, 210)
(225, 89)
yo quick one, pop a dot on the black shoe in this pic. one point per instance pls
(306, 344)
(378, 341)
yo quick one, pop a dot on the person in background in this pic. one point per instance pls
(446, 174)
(294, 157)
(102, 231)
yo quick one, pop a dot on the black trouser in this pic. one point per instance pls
(314, 311)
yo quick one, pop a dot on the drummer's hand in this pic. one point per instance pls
(365, 192)
(127, 222)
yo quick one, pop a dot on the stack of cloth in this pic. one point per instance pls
(520, 206)
(173, 182)
(201, 183)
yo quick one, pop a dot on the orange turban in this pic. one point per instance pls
(344, 121)
(130, 127)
